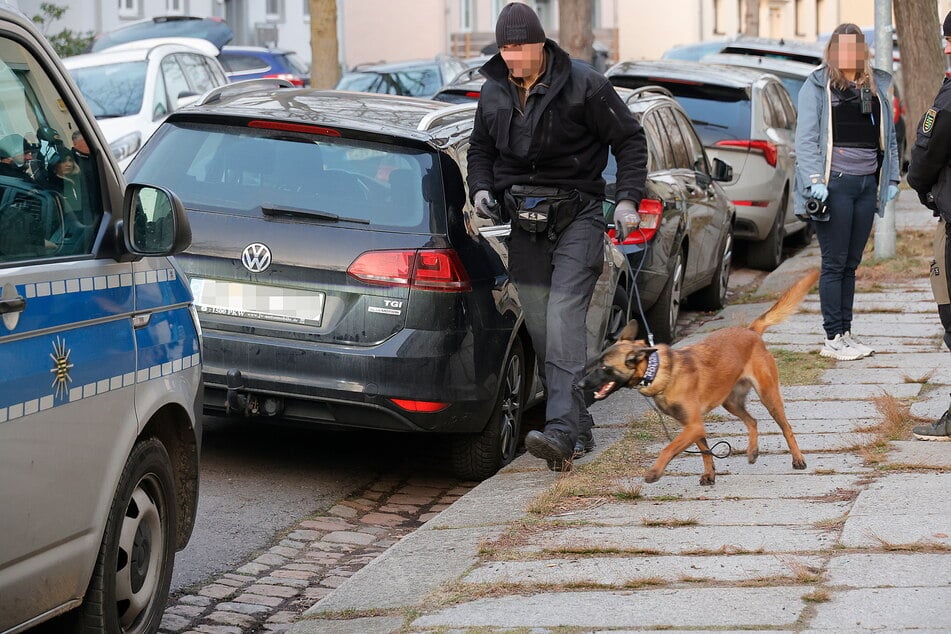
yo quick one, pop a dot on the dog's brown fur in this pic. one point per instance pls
(691, 381)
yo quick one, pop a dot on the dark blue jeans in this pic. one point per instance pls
(555, 282)
(842, 238)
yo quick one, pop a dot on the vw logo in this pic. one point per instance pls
(256, 257)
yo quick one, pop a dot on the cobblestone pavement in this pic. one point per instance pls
(269, 592)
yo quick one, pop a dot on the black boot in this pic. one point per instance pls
(939, 430)
(584, 444)
(555, 447)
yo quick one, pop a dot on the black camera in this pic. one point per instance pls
(815, 207)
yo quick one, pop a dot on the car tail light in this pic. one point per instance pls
(752, 203)
(768, 149)
(294, 79)
(473, 94)
(425, 269)
(422, 407)
(651, 211)
(896, 108)
(293, 127)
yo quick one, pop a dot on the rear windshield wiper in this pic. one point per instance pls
(270, 210)
(710, 123)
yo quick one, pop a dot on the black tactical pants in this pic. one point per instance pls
(555, 282)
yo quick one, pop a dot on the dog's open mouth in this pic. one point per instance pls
(606, 389)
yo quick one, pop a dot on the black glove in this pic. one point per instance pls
(487, 207)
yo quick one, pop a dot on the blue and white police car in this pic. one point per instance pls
(100, 363)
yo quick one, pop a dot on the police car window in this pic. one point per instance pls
(49, 185)
(243, 171)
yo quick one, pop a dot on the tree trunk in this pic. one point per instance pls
(751, 19)
(574, 28)
(922, 59)
(324, 63)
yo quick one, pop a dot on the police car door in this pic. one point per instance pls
(67, 347)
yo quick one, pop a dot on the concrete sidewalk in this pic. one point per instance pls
(846, 545)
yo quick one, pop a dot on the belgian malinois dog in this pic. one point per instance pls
(687, 383)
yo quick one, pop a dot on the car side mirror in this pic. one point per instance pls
(722, 171)
(154, 222)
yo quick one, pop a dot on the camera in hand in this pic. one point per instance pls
(816, 207)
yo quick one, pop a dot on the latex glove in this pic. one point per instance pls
(487, 207)
(891, 193)
(626, 219)
(819, 192)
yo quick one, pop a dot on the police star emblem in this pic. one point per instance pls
(927, 122)
(61, 367)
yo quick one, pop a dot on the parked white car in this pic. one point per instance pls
(132, 87)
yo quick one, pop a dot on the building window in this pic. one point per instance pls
(595, 14)
(465, 15)
(274, 10)
(497, 9)
(546, 14)
(718, 17)
(306, 10)
(130, 9)
(175, 7)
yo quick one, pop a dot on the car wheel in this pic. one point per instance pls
(662, 317)
(617, 318)
(767, 254)
(804, 238)
(479, 456)
(129, 585)
(713, 297)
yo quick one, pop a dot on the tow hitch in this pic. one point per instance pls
(240, 403)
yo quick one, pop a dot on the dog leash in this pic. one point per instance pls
(710, 451)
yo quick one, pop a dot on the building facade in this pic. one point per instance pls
(395, 30)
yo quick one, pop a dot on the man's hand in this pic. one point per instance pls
(626, 219)
(819, 192)
(487, 207)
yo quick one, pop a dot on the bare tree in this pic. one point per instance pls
(324, 64)
(751, 19)
(922, 60)
(575, 32)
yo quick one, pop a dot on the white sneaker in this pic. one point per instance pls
(839, 348)
(858, 345)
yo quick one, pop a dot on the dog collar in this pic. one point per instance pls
(653, 362)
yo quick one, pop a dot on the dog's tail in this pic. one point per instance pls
(785, 305)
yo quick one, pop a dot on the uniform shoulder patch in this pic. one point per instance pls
(927, 122)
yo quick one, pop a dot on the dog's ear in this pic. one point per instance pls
(630, 331)
(633, 358)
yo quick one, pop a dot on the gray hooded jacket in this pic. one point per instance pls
(814, 137)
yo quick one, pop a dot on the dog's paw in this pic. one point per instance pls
(707, 480)
(799, 464)
(650, 477)
(751, 456)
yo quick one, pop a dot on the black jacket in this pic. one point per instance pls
(930, 167)
(561, 138)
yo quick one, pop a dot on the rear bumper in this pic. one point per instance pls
(351, 386)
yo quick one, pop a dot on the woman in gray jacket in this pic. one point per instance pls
(846, 170)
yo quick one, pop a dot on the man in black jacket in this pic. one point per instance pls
(929, 173)
(540, 142)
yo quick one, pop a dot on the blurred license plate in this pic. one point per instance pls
(257, 301)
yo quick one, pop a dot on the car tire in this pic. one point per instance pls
(662, 316)
(767, 254)
(478, 456)
(129, 586)
(713, 297)
(804, 238)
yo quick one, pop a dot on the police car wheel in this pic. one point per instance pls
(129, 586)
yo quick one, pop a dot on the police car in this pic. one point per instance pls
(100, 358)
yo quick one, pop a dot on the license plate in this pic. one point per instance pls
(258, 301)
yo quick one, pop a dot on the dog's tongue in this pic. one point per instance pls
(604, 391)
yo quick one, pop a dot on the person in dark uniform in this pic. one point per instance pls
(929, 173)
(540, 142)
(15, 156)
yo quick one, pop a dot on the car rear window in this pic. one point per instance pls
(718, 112)
(249, 172)
(296, 64)
(808, 58)
(240, 63)
(412, 82)
(112, 90)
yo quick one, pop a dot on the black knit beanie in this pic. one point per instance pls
(518, 24)
(947, 25)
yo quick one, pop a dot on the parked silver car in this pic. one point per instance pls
(747, 119)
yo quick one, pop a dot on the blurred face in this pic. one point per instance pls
(848, 52)
(523, 60)
(947, 46)
(65, 166)
(80, 144)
